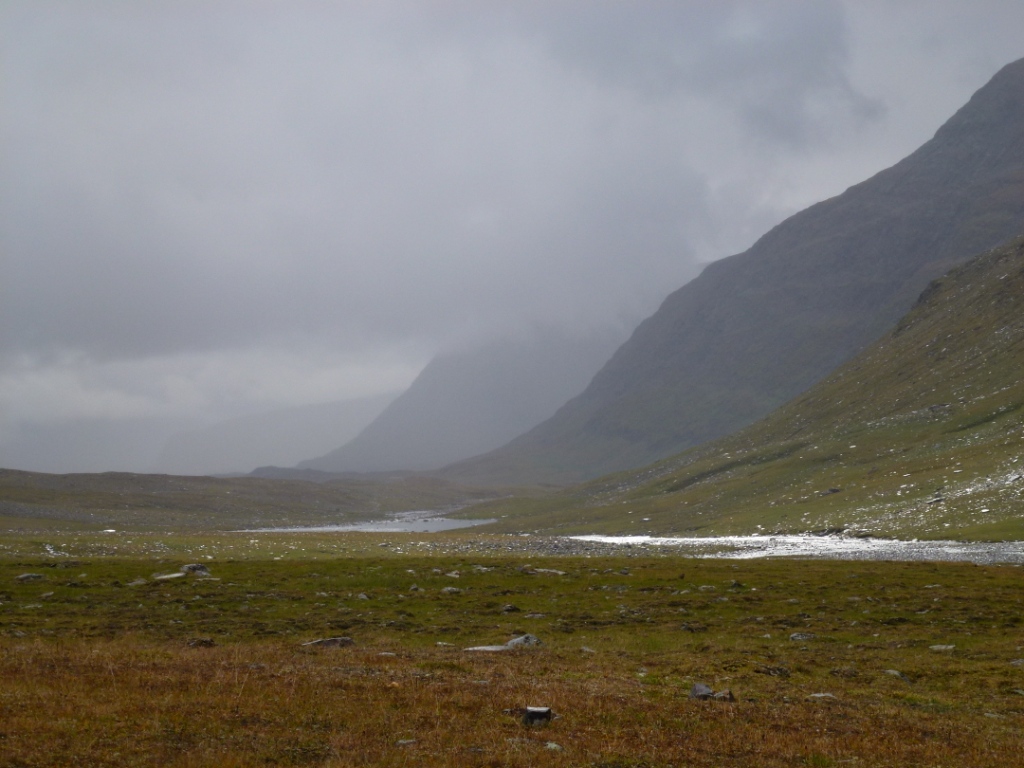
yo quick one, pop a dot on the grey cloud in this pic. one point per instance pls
(213, 203)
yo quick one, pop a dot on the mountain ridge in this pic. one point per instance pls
(755, 329)
(920, 435)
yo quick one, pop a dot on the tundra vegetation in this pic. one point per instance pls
(104, 663)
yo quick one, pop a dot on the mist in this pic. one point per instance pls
(212, 211)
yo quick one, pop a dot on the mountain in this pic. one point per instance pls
(469, 402)
(280, 437)
(921, 435)
(755, 329)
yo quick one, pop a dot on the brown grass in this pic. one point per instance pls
(94, 672)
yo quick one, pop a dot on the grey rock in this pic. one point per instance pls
(196, 568)
(405, 742)
(552, 746)
(800, 636)
(29, 577)
(702, 692)
(523, 641)
(821, 697)
(451, 591)
(168, 576)
(537, 715)
(941, 648)
(725, 695)
(897, 673)
(510, 609)
(331, 642)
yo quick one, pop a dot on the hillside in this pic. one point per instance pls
(920, 435)
(755, 329)
(124, 501)
(473, 401)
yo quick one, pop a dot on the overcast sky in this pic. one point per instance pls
(211, 208)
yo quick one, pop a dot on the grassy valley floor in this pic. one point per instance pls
(830, 663)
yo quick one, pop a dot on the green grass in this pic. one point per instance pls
(922, 435)
(99, 669)
(33, 501)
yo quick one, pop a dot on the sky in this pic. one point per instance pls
(216, 208)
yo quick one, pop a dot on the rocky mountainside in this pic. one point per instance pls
(921, 435)
(466, 403)
(756, 329)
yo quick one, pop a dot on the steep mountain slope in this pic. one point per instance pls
(755, 329)
(280, 437)
(920, 435)
(466, 403)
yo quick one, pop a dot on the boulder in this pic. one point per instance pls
(702, 692)
(331, 642)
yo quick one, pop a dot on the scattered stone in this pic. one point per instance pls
(387, 653)
(536, 715)
(201, 642)
(534, 615)
(25, 577)
(1018, 662)
(725, 695)
(702, 692)
(442, 644)
(764, 669)
(47, 594)
(414, 588)
(549, 570)
(196, 568)
(523, 641)
(897, 673)
(801, 636)
(821, 697)
(453, 574)
(168, 576)
(405, 742)
(847, 672)
(941, 648)
(138, 582)
(331, 642)
(451, 591)
(553, 746)
(362, 596)
(510, 609)
(585, 649)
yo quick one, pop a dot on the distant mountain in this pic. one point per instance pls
(280, 437)
(921, 435)
(466, 403)
(755, 329)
